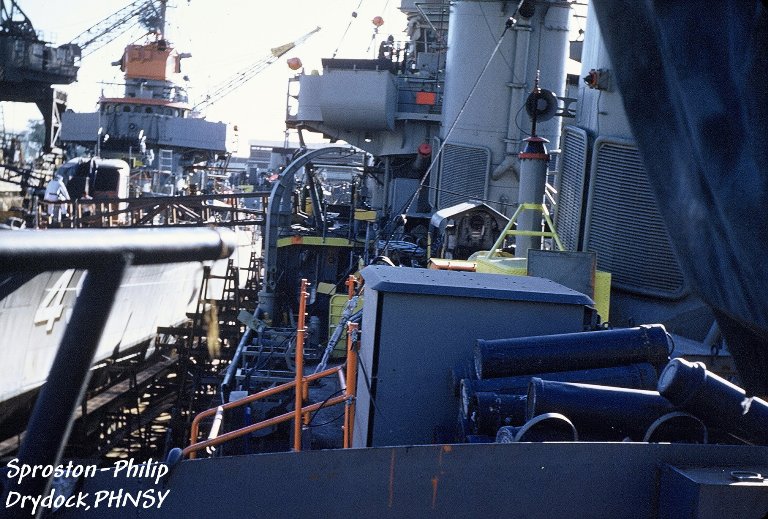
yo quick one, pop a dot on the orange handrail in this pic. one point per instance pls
(300, 367)
(300, 383)
(351, 389)
(195, 428)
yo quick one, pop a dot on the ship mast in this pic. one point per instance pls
(162, 18)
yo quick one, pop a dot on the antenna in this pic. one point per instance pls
(541, 104)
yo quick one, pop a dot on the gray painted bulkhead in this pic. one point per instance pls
(181, 135)
(161, 130)
(418, 325)
(606, 206)
(479, 111)
(484, 100)
(530, 480)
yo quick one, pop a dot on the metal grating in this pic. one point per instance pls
(570, 186)
(624, 227)
(463, 174)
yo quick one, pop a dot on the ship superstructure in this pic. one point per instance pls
(446, 114)
(441, 118)
(440, 102)
(479, 394)
(150, 125)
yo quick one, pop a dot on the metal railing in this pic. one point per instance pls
(106, 255)
(221, 209)
(509, 231)
(301, 413)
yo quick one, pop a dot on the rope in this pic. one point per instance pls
(344, 35)
(413, 197)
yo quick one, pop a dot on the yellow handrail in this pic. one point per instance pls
(509, 231)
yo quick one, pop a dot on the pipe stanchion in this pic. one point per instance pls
(297, 424)
(351, 391)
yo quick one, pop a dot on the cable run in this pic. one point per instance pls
(458, 116)
(344, 35)
(407, 206)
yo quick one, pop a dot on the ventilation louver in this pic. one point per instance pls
(624, 227)
(463, 174)
(570, 186)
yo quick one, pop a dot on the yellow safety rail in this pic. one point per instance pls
(301, 412)
(508, 231)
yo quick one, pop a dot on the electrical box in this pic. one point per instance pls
(419, 325)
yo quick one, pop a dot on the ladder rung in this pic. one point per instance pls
(546, 234)
(173, 330)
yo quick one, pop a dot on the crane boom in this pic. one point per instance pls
(246, 74)
(116, 24)
(14, 22)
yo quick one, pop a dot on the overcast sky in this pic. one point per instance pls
(223, 36)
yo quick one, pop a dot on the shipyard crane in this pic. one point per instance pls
(14, 22)
(149, 13)
(244, 75)
(29, 67)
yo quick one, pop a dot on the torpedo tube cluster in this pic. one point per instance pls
(606, 385)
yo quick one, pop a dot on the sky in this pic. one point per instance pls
(223, 36)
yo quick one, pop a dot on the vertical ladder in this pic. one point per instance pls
(231, 292)
(253, 281)
(165, 161)
(228, 306)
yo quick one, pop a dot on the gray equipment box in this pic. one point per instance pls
(713, 492)
(419, 324)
